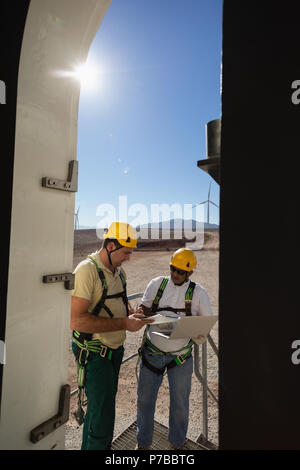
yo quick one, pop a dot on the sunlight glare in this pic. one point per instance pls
(88, 77)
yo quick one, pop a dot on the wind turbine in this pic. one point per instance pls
(77, 219)
(208, 201)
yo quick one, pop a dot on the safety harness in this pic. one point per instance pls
(179, 359)
(84, 342)
(187, 301)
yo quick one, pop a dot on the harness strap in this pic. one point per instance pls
(177, 361)
(84, 341)
(187, 302)
(159, 294)
(104, 296)
(188, 298)
(95, 346)
(124, 293)
(82, 353)
(114, 296)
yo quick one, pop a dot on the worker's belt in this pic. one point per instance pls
(94, 346)
(177, 361)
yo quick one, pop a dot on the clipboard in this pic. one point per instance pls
(193, 326)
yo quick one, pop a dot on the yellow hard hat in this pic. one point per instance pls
(184, 259)
(123, 232)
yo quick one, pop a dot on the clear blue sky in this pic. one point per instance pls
(141, 132)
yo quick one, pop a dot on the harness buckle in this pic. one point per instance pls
(80, 354)
(103, 350)
(181, 360)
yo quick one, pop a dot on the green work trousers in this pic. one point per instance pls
(101, 385)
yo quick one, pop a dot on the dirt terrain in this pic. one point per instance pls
(142, 267)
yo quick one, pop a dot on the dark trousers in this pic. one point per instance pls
(101, 385)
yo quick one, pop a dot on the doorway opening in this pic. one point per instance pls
(147, 94)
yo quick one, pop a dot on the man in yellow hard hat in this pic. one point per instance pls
(100, 316)
(175, 295)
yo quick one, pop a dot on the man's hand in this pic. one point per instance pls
(84, 321)
(135, 322)
(146, 310)
(137, 309)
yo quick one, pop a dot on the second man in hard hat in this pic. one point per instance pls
(100, 316)
(174, 295)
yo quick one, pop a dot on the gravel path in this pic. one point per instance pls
(142, 267)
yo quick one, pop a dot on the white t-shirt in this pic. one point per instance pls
(173, 296)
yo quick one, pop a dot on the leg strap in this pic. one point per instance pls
(156, 370)
(177, 361)
(81, 355)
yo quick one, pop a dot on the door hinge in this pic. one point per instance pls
(70, 184)
(58, 420)
(67, 278)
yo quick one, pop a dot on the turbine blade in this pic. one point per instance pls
(203, 202)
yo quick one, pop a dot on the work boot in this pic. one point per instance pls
(177, 447)
(138, 447)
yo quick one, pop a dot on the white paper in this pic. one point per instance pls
(158, 318)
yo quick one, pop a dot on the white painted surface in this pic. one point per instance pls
(58, 34)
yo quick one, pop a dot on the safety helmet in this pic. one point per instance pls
(184, 259)
(123, 233)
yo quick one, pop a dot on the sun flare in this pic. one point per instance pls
(88, 76)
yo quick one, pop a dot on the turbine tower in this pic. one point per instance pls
(77, 219)
(208, 201)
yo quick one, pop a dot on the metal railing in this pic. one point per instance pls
(202, 377)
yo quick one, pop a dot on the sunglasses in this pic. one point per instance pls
(179, 271)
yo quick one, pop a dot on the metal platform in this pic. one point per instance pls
(127, 439)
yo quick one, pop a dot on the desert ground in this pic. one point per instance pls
(142, 267)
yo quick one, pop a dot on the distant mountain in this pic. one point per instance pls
(180, 224)
(166, 224)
